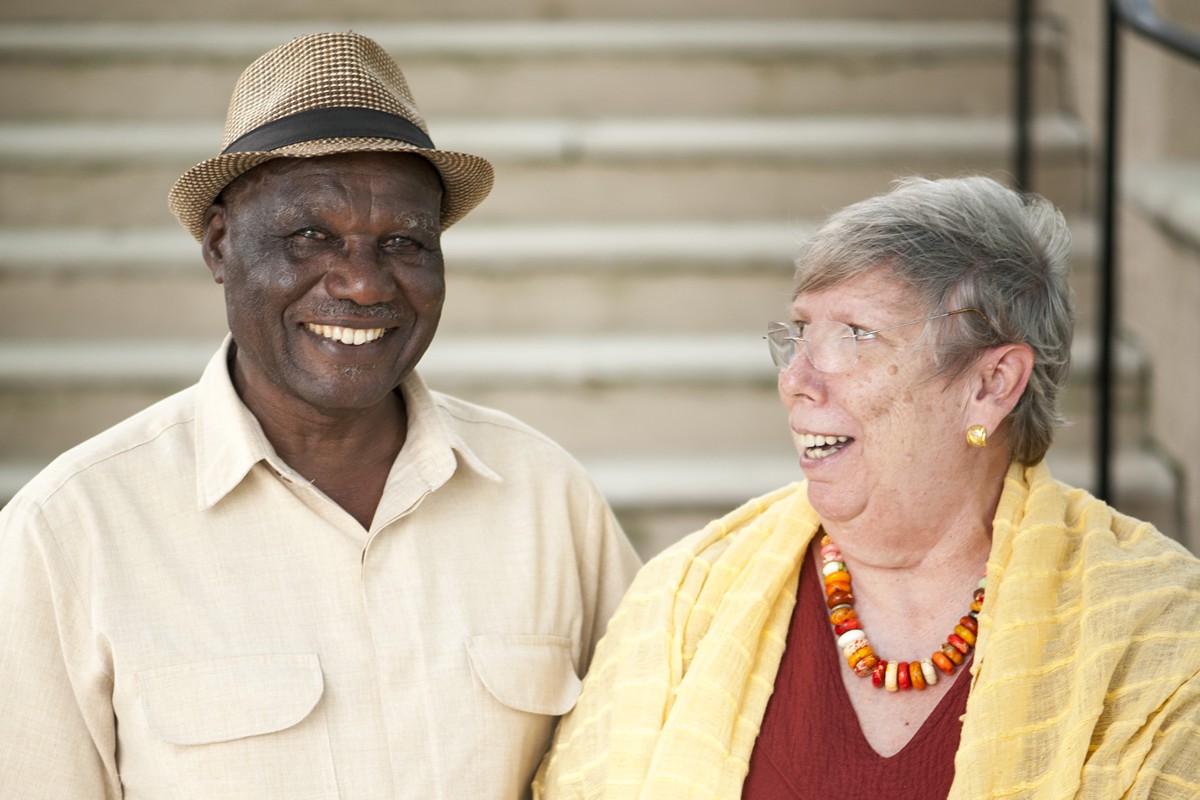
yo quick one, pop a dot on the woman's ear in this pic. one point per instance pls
(1002, 374)
(212, 244)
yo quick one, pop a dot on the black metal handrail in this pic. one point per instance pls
(1138, 16)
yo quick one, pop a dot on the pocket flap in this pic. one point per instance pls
(528, 672)
(229, 698)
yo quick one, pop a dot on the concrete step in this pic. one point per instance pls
(501, 279)
(575, 68)
(350, 13)
(559, 170)
(600, 395)
(660, 499)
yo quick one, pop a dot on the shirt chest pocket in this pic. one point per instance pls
(240, 727)
(529, 673)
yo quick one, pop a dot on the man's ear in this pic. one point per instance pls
(1001, 375)
(212, 244)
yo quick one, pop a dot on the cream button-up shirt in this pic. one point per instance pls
(184, 616)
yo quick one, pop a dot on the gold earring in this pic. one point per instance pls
(977, 436)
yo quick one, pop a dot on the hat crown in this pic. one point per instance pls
(324, 70)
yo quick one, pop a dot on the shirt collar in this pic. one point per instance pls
(230, 441)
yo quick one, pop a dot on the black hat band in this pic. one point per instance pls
(329, 123)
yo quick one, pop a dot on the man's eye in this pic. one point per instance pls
(863, 333)
(403, 243)
(311, 233)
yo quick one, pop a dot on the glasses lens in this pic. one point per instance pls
(781, 342)
(830, 345)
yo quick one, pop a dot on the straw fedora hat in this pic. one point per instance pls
(320, 95)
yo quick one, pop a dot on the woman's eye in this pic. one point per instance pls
(863, 333)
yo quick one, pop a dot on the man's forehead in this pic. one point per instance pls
(331, 167)
(307, 185)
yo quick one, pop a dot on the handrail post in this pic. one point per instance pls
(1106, 302)
(1022, 94)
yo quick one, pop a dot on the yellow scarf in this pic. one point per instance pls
(1085, 682)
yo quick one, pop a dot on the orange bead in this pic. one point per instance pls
(916, 677)
(970, 624)
(837, 586)
(859, 655)
(839, 615)
(964, 633)
(953, 653)
(841, 576)
(943, 663)
(867, 666)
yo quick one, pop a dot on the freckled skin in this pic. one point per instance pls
(352, 240)
(908, 502)
(904, 426)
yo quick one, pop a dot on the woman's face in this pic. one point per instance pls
(882, 432)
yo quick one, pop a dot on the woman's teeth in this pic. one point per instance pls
(347, 335)
(818, 446)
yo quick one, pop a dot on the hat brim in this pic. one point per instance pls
(466, 179)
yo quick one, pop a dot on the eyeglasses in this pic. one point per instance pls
(831, 346)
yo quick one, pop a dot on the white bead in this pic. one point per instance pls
(850, 636)
(929, 671)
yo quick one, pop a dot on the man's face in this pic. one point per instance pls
(333, 277)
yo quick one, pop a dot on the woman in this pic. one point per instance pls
(929, 613)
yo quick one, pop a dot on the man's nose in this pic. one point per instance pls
(360, 275)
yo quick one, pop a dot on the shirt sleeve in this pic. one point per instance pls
(612, 565)
(57, 729)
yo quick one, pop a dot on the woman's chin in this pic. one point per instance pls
(834, 502)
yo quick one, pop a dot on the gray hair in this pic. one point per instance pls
(966, 243)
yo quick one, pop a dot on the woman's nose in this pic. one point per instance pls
(799, 377)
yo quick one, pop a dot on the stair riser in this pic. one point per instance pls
(617, 190)
(646, 418)
(539, 303)
(349, 12)
(186, 302)
(620, 85)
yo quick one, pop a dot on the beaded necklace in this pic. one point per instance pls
(852, 641)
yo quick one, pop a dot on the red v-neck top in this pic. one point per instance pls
(811, 745)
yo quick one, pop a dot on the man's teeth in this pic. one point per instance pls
(818, 445)
(347, 335)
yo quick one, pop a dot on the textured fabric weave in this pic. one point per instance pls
(323, 71)
(182, 615)
(1086, 680)
(810, 722)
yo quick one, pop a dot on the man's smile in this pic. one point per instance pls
(344, 335)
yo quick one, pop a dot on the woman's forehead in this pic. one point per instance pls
(877, 289)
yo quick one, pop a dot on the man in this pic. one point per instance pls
(308, 576)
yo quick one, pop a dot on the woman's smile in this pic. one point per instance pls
(817, 446)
